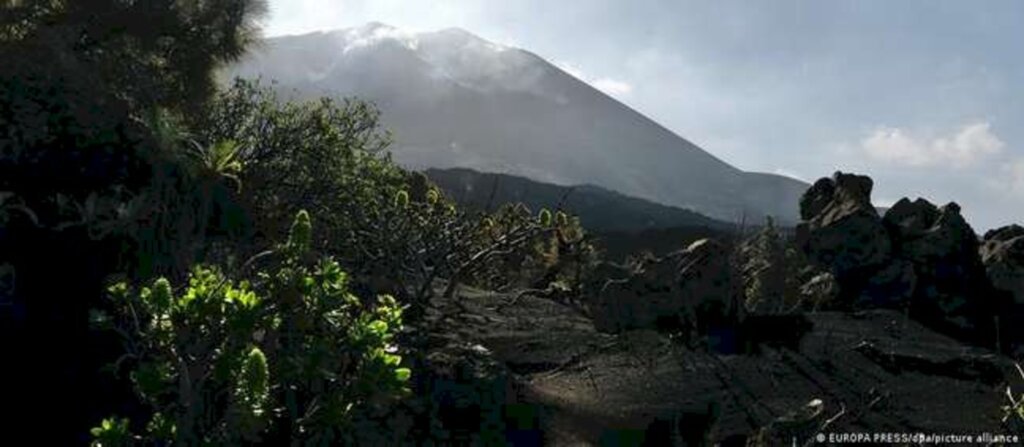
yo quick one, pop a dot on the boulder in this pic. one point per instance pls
(925, 234)
(943, 249)
(814, 201)
(919, 255)
(691, 286)
(1003, 256)
(705, 285)
(842, 231)
(890, 287)
(1003, 234)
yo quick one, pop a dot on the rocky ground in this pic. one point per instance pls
(874, 371)
(901, 323)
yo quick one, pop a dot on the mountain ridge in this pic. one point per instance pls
(454, 99)
(599, 209)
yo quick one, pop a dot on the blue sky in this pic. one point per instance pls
(925, 96)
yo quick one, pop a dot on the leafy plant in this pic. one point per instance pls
(292, 355)
(514, 249)
(111, 432)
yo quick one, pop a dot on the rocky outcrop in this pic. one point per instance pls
(691, 287)
(842, 231)
(943, 249)
(1003, 256)
(918, 256)
(927, 235)
(891, 286)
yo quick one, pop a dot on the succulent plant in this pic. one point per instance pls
(300, 237)
(402, 199)
(545, 217)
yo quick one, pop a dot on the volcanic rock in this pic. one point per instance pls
(690, 286)
(842, 231)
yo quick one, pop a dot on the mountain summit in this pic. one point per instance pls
(454, 99)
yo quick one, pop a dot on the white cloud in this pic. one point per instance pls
(609, 86)
(970, 145)
(791, 174)
(372, 34)
(573, 70)
(613, 87)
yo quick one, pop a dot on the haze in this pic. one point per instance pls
(919, 95)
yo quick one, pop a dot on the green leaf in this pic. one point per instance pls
(118, 291)
(161, 427)
(378, 327)
(403, 374)
(111, 432)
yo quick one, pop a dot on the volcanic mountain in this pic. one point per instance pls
(453, 99)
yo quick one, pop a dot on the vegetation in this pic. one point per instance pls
(117, 147)
(293, 355)
(395, 232)
(87, 176)
(523, 250)
(770, 266)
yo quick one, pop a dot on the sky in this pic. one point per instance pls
(925, 96)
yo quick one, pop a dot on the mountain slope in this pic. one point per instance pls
(455, 100)
(599, 209)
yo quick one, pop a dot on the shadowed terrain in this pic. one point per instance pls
(874, 371)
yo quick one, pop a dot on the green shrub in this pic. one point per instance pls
(516, 249)
(393, 230)
(769, 265)
(325, 156)
(292, 354)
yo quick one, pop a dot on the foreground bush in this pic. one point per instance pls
(291, 357)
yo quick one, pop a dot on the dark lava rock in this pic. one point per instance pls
(1003, 256)
(952, 286)
(919, 256)
(691, 286)
(842, 231)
